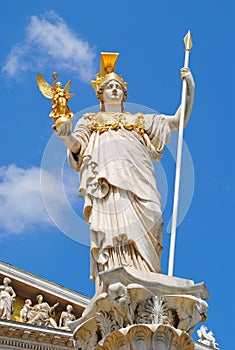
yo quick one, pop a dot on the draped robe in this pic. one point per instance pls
(122, 204)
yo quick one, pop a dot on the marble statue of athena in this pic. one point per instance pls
(113, 150)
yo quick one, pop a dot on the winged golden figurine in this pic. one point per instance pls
(60, 111)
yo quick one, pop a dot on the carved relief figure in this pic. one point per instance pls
(24, 312)
(120, 299)
(207, 338)
(188, 320)
(7, 296)
(113, 150)
(41, 313)
(185, 311)
(66, 317)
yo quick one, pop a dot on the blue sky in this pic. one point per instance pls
(49, 36)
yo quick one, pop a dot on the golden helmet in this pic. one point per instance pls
(106, 74)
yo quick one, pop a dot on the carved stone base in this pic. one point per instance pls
(139, 337)
(136, 310)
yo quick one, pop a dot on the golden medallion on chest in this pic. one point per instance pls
(134, 122)
(102, 122)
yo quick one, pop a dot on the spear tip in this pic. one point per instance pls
(188, 41)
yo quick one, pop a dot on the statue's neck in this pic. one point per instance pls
(113, 107)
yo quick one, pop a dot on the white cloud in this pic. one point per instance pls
(50, 43)
(21, 203)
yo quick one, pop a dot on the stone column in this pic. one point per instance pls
(136, 310)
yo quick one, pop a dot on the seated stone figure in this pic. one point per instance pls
(66, 317)
(41, 313)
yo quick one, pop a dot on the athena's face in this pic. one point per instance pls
(113, 92)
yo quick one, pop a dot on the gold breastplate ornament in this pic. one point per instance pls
(101, 122)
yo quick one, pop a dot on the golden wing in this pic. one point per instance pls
(67, 86)
(45, 88)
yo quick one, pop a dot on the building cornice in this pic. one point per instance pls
(25, 336)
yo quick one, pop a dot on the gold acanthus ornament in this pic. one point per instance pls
(103, 121)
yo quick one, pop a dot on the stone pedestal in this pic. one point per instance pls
(141, 310)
